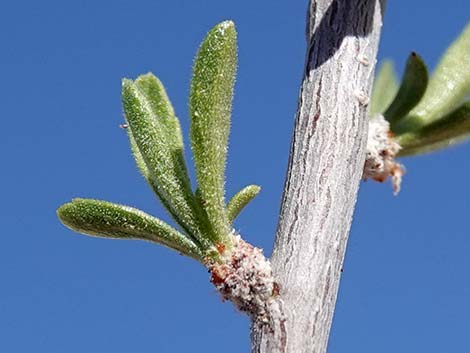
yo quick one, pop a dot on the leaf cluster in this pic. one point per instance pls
(204, 218)
(427, 113)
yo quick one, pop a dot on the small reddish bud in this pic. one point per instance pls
(220, 248)
(216, 279)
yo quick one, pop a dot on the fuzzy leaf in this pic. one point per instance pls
(210, 107)
(240, 200)
(412, 88)
(139, 160)
(448, 87)
(148, 176)
(451, 129)
(152, 181)
(156, 141)
(109, 220)
(384, 89)
(161, 106)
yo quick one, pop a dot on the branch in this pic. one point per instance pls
(325, 167)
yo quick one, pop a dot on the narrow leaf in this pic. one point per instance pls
(384, 89)
(109, 220)
(154, 91)
(142, 166)
(412, 88)
(157, 146)
(152, 181)
(139, 160)
(240, 200)
(449, 86)
(162, 109)
(210, 107)
(451, 129)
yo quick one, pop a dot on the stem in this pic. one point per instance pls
(325, 167)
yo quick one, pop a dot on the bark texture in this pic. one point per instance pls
(325, 167)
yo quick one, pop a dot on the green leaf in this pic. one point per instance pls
(162, 109)
(449, 86)
(152, 181)
(139, 160)
(109, 220)
(156, 142)
(412, 88)
(384, 89)
(451, 129)
(149, 177)
(161, 106)
(210, 107)
(240, 200)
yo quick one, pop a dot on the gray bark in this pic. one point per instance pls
(325, 168)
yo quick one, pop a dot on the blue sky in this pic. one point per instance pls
(405, 285)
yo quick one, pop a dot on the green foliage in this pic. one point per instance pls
(449, 86)
(427, 115)
(412, 88)
(108, 220)
(158, 150)
(210, 105)
(452, 128)
(240, 200)
(157, 145)
(385, 88)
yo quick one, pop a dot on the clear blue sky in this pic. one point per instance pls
(406, 282)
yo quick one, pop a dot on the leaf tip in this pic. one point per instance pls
(225, 29)
(64, 213)
(146, 78)
(126, 82)
(226, 24)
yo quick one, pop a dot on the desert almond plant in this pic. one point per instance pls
(420, 115)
